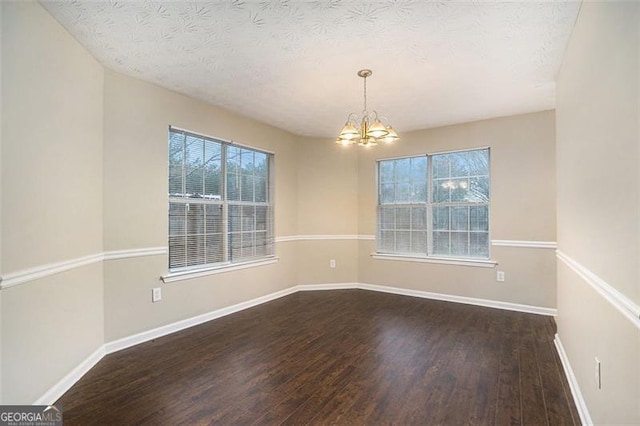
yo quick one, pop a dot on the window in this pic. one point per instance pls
(435, 205)
(220, 208)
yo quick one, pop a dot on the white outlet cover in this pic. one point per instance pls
(156, 294)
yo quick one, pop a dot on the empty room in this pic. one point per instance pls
(320, 212)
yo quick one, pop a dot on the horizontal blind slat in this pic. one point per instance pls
(456, 201)
(199, 232)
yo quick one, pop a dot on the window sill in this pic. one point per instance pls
(478, 263)
(202, 272)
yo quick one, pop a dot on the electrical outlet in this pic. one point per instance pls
(332, 263)
(156, 294)
(598, 374)
(500, 276)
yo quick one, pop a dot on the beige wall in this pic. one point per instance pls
(327, 206)
(50, 326)
(52, 150)
(137, 118)
(51, 200)
(598, 139)
(522, 208)
(128, 284)
(598, 125)
(314, 257)
(327, 188)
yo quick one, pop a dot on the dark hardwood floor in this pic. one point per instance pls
(336, 357)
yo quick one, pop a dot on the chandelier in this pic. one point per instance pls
(370, 130)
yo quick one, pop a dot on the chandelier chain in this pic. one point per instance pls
(365, 95)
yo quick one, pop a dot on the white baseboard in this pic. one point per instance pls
(434, 296)
(583, 412)
(70, 379)
(155, 333)
(462, 299)
(53, 394)
(339, 286)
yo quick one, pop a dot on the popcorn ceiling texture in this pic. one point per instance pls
(293, 63)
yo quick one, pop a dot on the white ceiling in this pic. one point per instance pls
(293, 63)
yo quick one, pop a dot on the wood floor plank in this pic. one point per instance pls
(336, 357)
(566, 389)
(508, 405)
(557, 405)
(484, 385)
(509, 402)
(533, 403)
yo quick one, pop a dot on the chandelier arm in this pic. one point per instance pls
(354, 116)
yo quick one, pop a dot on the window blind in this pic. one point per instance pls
(435, 205)
(220, 208)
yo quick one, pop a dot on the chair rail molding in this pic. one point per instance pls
(23, 276)
(42, 271)
(622, 303)
(140, 252)
(20, 277)
(371, 237)
(311, 237)
(525, 244)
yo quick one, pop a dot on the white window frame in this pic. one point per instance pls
(227, 264)
(429, 257)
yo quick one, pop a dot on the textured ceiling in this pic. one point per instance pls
(293, 63)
